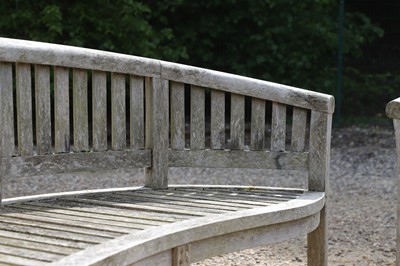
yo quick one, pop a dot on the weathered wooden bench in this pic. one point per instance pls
(68, 109)
(393, 111)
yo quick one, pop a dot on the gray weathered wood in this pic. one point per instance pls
(118, 112)
(197, 118)
(99, 110)
(43, 110)
(278, 127)
(61, 110)
(181, 255)
(257, 139)
(320, 135)
(157, 127)
(393, 109)
(137, 112)
(6, 111)
(217, 120)
(80, 103)
(237, 122)
(74, 162)
(238, 159)
(396, 124)
(177, 116)
(24, 109)
(299, 126)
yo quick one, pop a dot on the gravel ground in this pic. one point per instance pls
(363, 199)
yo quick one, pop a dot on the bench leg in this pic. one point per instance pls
(317, 251)
(181, 255)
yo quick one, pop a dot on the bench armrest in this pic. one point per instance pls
(393, 109)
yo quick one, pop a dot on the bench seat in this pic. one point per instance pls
(144, 226)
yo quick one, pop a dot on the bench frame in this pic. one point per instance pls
(151, 146)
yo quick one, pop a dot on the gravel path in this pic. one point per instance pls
(362, 172)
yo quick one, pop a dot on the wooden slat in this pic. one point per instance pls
(278, 127)
(137, 112)
(320, 136)
(80, 102)
(177, 116)
(43, 109)
(257, 139)
(16, 260)
(61, 110)
(197, 118)
(74, 162)
(181, 255)
(24, 109)
(157, 131)
(299, 126)
(237, 122)
(217, 120)
(6, 111)
(28, 253)
(99, 105)
(238, 159)
(118, 112)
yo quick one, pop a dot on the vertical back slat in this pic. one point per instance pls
(24, 109)
(80, 102)
(99, 97)
(197, 118)
(61, 110)
(177, 115)
(137, 112)
(319, 158)
(43, 109)
(6, 111)
(118, 112)
(157, 126)
(237, 122)
(299, 126)
(257, 124)
(278, 127)
(217, 120)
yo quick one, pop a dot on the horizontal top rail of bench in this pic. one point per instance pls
(393, 109)
(12, 50)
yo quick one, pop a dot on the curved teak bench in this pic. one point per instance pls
(115, 111)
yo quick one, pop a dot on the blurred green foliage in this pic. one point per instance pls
(285, 41)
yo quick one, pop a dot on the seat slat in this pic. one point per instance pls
(28, 253)
(118, 112)
(217, 120)
(43, 109)
(24, 109)
(80, 109)
(99, 113)
(137, 112)
(16, 260)
(237, 122)
(197, 118)
(61, 110)
(177, 115)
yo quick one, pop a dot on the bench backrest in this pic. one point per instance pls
(65, 109)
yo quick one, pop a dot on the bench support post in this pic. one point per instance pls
(157, 110)
(396, 124)
(181, 255)
(320, 137)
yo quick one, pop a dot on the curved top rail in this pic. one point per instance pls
(393, 109)
(13, 50)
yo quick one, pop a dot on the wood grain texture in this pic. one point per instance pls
(80, 108)
(157, 131)
(74, 162)
(61, 110)
(6, 111)
(24, 109)
(238, 159)
(177, 116)
(197, 118)
(393, 109)
(137, 112)
(181, 255)
(237, 122)
(278, 127)
(43, 109)
(99, 110)
(257, 137)
(118, 112)
(299, 127)
(320, 135)
(396, 124)
(217, 120)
